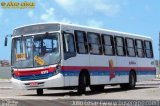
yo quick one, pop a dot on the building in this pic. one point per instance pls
(5, 63)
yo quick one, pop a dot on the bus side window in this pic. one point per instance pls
(140, 48)
(148, 49)
(81, 42)
(94, 43)
(120, 47)
(69, 46)
(108, 44)
(130, 47)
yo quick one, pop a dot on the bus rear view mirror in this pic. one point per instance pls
(6, 41)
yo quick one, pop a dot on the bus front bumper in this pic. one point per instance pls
(52, 82)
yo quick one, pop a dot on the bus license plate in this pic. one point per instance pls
(33, 84)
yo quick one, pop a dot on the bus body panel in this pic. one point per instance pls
(102, 74)
(72, 69)
(55, 81)
(147, 70)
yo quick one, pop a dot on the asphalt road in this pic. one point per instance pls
(149, 90)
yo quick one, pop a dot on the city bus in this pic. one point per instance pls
(68, 56)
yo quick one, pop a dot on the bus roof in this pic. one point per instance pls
(107, 30)
(88, 27)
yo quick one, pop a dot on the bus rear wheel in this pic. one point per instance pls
(132, 82)
(96, 88)
(39, 91)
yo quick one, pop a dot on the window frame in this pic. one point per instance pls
(68, 55)
(124, 46)
(100, 43)
(151, 48)
(140, 48)
(134, 47)
(104, 45)
(85, 41)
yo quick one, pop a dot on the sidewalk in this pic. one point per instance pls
(157, 79)
(5, 80)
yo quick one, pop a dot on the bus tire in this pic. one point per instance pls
(82, 83)
(132, 82)
(96, 88)
(39, 91)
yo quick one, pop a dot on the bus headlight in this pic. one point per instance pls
(13, 73)
(57, 69)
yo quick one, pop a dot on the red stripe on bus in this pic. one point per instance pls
(83, 67)
(78, 68)
(135, 68)
(36, 72)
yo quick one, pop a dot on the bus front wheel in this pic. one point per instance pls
(39, 91)
(82, 83)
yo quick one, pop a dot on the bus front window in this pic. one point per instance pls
(22, 52)
(40, 50)
(46, 49)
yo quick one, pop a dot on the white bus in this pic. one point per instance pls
(58, 55)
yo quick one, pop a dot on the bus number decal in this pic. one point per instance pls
(44, 72)
(20, 56)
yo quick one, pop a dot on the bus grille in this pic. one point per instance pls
(35, 77)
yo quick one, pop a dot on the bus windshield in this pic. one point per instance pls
(35, 51)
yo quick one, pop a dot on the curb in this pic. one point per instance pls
(6, 87)
(149, 84)
(157, 79)
(5, 80)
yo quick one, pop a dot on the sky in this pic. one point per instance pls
(133, 16)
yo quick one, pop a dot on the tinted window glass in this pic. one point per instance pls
(139, 44)
(81, 42)
(148, 49)
(140, 49)
(69, 43)
(108, 45)
(130, 47)
(94, 43)
(107, 39)
(130, 42)
(119, 41)
(120, 48)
